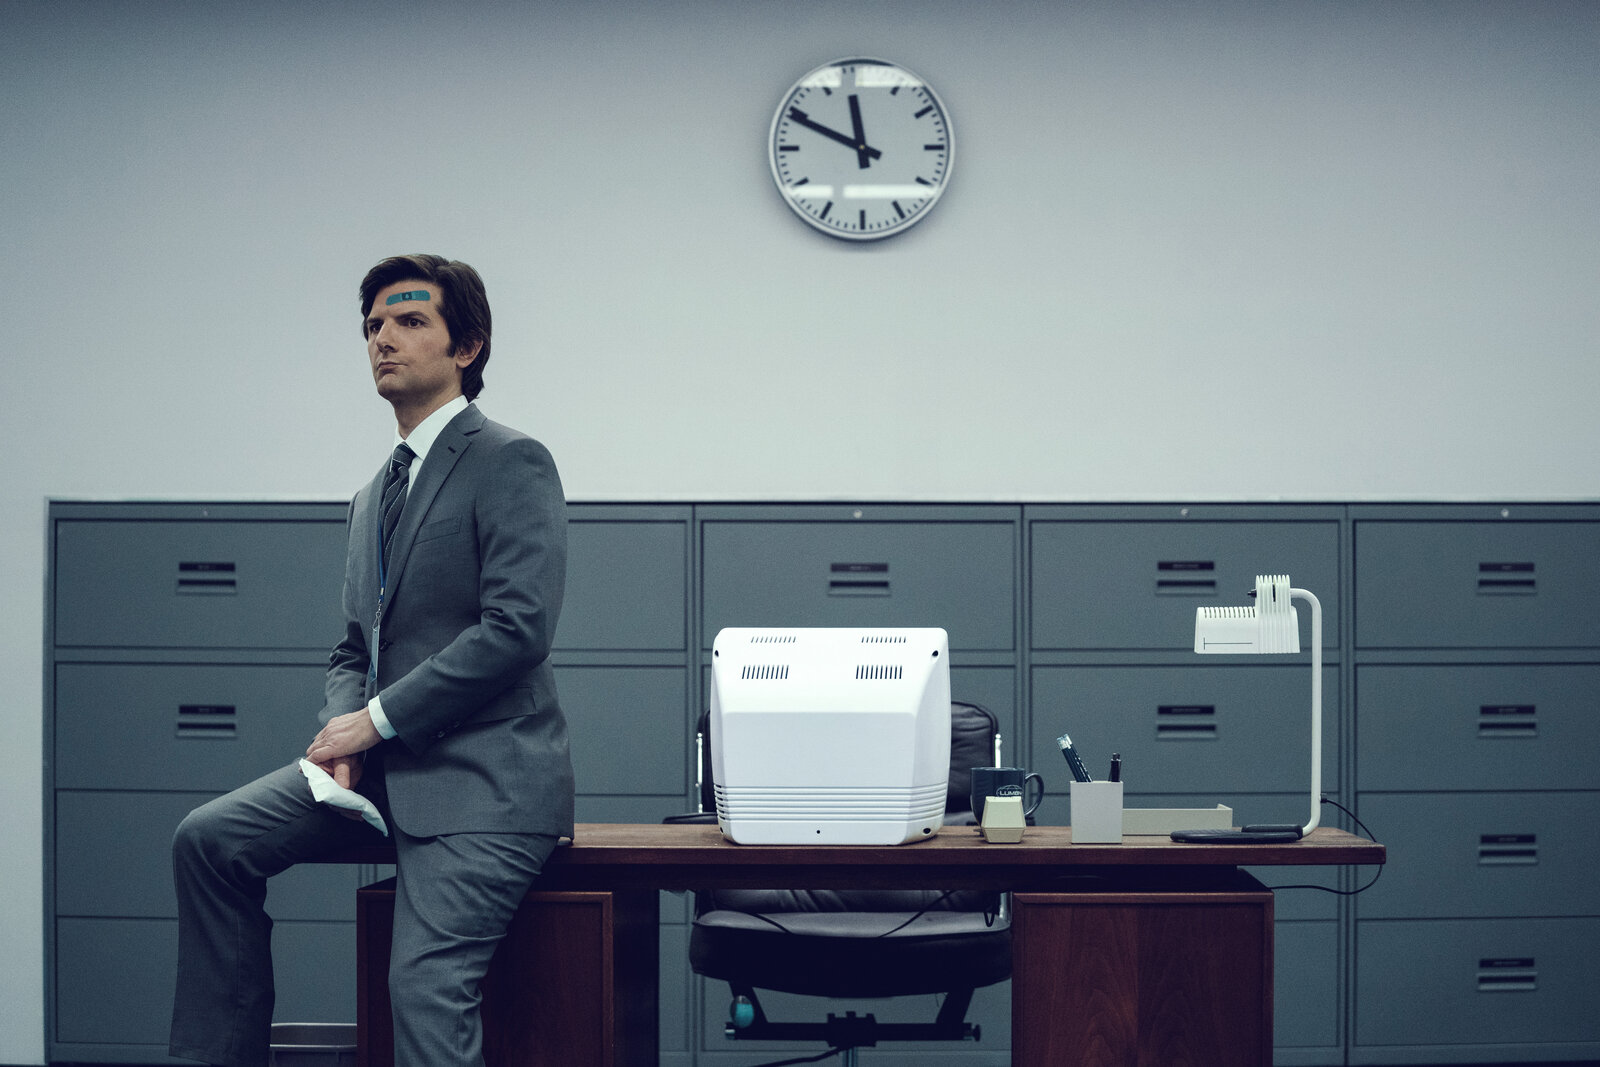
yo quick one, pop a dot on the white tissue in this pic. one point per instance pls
(330, 792)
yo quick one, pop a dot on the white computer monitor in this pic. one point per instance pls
(830, 735)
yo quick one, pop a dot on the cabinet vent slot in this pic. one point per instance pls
(884, 639)
(207, 720)
(1508, 720)
(1508, 975)
(207, 579)
(1507, 579)
(765, 672)
(1508, 850)
(858, 579)
(1186, 577)
(1186, 722)
(877, 672)
(772, 639)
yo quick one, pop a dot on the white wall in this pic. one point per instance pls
(1241, 251)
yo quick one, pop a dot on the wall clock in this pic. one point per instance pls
(861, 148)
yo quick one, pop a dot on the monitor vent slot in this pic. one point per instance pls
(765, 672)
(883, 639)
(772, 639)
(878, 672)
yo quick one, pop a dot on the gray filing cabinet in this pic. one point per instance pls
(1477, 669)
(185, 656)
(871, 565)
(1112, 599)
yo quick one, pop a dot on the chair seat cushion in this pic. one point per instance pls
(852, 953)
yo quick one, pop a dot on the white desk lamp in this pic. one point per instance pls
(1271, 626)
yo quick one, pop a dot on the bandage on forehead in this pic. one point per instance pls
(414, 294)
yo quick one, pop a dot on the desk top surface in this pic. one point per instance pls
(606, 844)
(689, 856)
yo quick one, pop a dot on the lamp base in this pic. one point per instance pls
(1255, 834)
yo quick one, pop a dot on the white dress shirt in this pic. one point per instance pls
(421, 440)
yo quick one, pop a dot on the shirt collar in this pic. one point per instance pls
(427, 431)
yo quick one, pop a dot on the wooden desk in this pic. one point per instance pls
(1150, 952)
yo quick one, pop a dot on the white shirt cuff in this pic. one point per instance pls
(379, 719)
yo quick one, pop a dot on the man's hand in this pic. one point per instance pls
(340, 740)
(346, 772)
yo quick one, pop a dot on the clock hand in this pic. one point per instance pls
(805, 120)
(862, 159)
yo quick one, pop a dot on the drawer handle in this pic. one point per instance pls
(207, 720)
(1508, 720)
(1508, 850)
(1507, 579)
(858, 579)
(1508, 975)
(207, 579)
(1186, 722)
(1185, 577)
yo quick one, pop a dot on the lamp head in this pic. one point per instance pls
(1270, 626)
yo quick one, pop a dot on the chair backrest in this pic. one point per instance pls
(972, 732)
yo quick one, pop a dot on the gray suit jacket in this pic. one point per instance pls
(474, 591)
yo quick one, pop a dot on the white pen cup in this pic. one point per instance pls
(1096, 813)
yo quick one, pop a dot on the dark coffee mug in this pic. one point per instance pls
(1003, 782)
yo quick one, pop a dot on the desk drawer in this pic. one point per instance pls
(1484, 982)
(1478, 727)
(114, 859)
(180, 727)
(198, 584)
(1135, 585)
(1232, 729)
(1470, 855)
(627, 585)
(1477, 584)
(958, 575)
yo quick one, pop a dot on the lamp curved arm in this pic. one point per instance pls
(1316, 706)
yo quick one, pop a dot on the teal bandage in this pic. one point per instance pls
(415, 294)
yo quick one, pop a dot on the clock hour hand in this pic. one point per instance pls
(863, 160)
(845, 139)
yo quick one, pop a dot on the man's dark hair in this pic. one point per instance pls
(462, 303)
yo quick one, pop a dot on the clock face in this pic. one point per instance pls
(861, 148)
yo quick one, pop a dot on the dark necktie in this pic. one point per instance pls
(394, 495)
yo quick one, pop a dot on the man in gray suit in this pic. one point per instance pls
(441, 706)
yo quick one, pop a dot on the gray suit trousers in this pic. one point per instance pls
(455, 896)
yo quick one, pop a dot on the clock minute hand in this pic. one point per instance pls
(862, 159)
(845, 139)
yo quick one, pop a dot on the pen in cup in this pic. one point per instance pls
(1080, 773)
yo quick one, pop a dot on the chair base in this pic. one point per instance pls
(850, 1031)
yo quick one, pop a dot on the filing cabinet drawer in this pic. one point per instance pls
(180, 727)
(1135, 585)
(627, 585)
(1482, 982)
(1305, 985)
(958, 575)
(1478, 727)
(200, 584)
(1468, 855)
(114, 981)
(1477, 584)
(627, 728)
(1232, 729)
(114, 858)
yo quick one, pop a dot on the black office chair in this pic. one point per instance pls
(859, 943)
